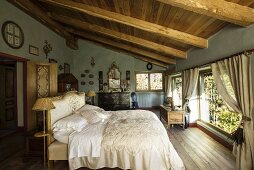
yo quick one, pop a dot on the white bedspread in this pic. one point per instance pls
(133, 139)
(87, 142)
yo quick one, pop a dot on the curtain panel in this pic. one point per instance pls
(233, 80)
(189, 83)
(169, 86)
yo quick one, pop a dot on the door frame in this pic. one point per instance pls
(24, 63)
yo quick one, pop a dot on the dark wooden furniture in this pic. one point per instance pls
(172, 116)
(114, 101)
(65, 79)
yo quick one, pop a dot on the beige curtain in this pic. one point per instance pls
(169, 86)
(189, 83)
(238, 70)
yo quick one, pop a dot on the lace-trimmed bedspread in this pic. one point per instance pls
(133, 139)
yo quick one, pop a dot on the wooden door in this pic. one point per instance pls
(8, 113)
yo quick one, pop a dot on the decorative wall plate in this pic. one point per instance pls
(83, 83)
(91, 82)
(90, 75)
(12, 34)
(86, 71)
(82, 75)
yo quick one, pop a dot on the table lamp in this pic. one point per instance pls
(91, 94)
(43, 104)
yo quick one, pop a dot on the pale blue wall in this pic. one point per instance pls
(228, 41)
(35, 34)
(103, 59)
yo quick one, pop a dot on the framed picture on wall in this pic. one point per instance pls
(33, 50)
(66, 68)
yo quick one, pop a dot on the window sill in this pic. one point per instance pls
(217, 134)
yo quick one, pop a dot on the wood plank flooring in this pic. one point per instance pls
(200, 151)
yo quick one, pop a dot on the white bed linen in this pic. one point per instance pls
(133, 139)
(62, 136)
(87, 142)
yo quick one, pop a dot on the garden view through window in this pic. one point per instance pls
(149, 81)
(177, 91)
(217, 112)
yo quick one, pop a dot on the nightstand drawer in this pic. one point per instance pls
(175, 117)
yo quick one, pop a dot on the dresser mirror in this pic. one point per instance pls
(114, 78)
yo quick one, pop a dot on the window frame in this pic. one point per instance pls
(173, 86)
(149, 84)
(200, 89)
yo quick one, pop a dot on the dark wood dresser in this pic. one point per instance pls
(114, 100)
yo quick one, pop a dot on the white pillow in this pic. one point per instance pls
(75, 122)
(92, 116)
(89, 107)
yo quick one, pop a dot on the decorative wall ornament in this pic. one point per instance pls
(91, 82)
(149, 66)
(33, 50)
(66, 68)
(92, 61)
(82, 75)
(86, 71)
(47, 48)
(12, 34)
(60, 67)
(90, 76)
(83, 83)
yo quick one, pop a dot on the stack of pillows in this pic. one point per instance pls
(88, 114)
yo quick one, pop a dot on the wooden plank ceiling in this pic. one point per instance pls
(156, 31)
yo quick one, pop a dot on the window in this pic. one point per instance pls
(149, 81)
(213, 109)
(177, 90)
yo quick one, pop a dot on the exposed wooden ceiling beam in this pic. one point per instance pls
(133, 22)
(156, 62)
(219, 9)
(29, 7)
(124, 47)
(149, 60)
(139, 41)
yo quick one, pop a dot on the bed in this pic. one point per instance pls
(129, 139)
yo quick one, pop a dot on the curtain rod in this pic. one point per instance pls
(203, 65)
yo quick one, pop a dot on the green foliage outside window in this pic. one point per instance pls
(219, 113)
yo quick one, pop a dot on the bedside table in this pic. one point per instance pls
(172, 116)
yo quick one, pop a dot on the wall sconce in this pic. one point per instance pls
(60, 67)
(92, 61)
(47, 48)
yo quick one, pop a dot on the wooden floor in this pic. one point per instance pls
(200, 151)
(197, 150)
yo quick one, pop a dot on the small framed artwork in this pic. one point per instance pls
(66, 68)
(52, 60)
(33, 50)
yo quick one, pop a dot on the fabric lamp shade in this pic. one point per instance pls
(90, 93)
(43, 104)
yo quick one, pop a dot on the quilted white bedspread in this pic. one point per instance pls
(132, 139)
